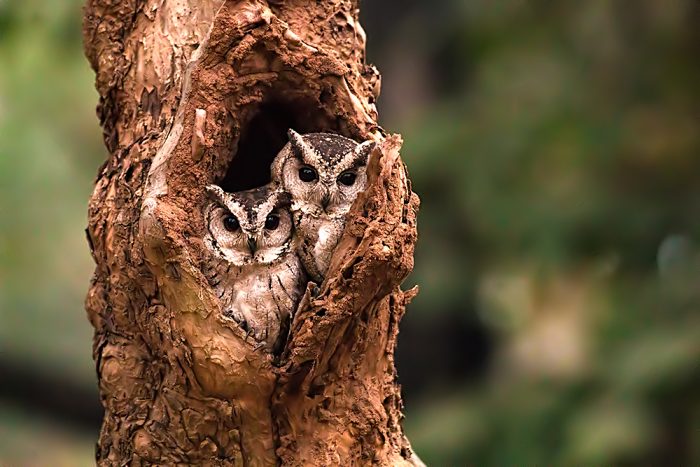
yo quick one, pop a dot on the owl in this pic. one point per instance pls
(323, 173)
(255, 270)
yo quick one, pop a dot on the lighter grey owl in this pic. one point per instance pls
(323, 173)
(256, 271)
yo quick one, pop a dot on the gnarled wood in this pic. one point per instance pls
(194, 93)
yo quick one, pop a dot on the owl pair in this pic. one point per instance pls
(268, 240)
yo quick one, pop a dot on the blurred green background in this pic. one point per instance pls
(556, 149)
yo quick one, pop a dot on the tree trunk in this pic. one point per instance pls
(194, 92)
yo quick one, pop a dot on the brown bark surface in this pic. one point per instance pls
(200, 92)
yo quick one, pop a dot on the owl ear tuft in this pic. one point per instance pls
(299, 146)
(364, 149)
(284, 199)
(216, 193)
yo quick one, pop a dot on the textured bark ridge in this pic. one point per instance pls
(200, 92)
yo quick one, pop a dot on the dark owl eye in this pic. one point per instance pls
(231, 223)
(307, 174)
(347, 178)
(272, 222)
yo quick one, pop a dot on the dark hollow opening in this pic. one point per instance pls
(266, 134)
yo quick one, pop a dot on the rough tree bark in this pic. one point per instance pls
(194, 92)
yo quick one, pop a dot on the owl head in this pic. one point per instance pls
(322, 172)
(249, 227)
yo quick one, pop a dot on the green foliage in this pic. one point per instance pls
(49, 150)
(559, 175)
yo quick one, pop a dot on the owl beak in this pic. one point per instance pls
(325, 201)
(252, 245)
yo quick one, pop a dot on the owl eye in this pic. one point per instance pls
(272, 222)
(231, 223)
(347, 178)
(307, 174)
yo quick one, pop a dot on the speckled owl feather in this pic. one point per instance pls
(334, 174)
(254, 268)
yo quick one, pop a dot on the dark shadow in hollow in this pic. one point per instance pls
(266, 134)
